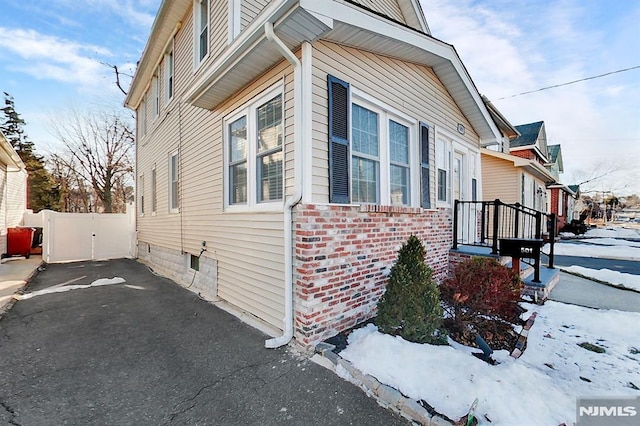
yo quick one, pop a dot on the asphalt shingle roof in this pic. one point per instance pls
(528, 134)
(553, 151)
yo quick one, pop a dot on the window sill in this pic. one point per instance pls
(174, 211)
(256, 208)
(376, 208)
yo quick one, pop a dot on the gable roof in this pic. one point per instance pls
(297, 21)
(528, 134)
(555, 156)
(411, 11)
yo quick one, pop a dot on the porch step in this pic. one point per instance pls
(548, 279)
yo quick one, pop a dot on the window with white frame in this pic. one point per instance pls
(141, 193)
(380, 156)
(174, 200)
(474, 176)
(201, 29)
(169, 73)
(142, 118)
(155, 89)
(443, 161)
(560, 204)
(254, 155)
(235, 11)
(154, 196)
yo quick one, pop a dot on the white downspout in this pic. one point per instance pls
(297, 194)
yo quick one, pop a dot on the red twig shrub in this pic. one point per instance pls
(481, 297)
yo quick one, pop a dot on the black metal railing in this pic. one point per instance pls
(484, 223)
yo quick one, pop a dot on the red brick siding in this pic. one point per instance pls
(529, 154)
(556, 193)
(343, 254)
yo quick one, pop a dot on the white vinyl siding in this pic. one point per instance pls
(412, 90)
(389, 8)
(499, 180)
(248, 246)
(249, 10)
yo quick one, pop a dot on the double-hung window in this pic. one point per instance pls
(156, 94)
(235, 12)
(141, 193)
(201, 27)
(174, 200)
(443, 154)
(254, 155)
(154, 197)
(168, 73)
(377, 154)
(365, 155)
(380, 156)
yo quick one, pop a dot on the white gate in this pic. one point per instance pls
(69, 237)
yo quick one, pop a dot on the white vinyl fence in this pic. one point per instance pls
(69, 237)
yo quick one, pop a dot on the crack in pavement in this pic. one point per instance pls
(175, 414)
(11, 411)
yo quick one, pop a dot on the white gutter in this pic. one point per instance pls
(297, 195)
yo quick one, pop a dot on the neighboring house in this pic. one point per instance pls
(519, 174)
(286, 149)
(561, 197)
(13, 190)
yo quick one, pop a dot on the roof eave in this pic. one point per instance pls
(391, 39)
(169, 15)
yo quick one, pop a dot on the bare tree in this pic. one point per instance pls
(99, 150)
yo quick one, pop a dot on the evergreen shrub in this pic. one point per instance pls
(410, 307)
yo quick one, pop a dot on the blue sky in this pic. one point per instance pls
(50, 54)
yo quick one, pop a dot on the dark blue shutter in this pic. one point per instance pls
(425, 177)
(338, 140)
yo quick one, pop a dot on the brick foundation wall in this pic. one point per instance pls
(343, 255)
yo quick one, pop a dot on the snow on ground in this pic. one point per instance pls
(612, 242)
(61, 289)
(522, 391)
(622, 252)
(607, 275)
(613, 232)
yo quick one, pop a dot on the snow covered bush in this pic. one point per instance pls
(481, 298)
(410, 307)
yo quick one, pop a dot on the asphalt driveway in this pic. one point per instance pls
(148, 352)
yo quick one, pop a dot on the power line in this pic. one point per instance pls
(570, 82)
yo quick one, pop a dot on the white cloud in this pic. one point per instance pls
(510, 48)
(128, 10)
(49, 57)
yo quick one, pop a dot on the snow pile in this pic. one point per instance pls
(613, 242)
(61, 289)
(607, 275)
(539, 388)
(623, 252)
(613, 233)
